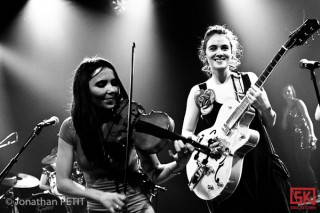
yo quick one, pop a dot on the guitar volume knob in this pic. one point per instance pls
(220, 184)
(210, 187)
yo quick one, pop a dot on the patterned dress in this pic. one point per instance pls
(304, 175)
(300, 126)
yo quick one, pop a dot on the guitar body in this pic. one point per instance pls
(216, 177)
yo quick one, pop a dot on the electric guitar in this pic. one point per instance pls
(216, 176)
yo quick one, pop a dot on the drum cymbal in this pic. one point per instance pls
(26, 181)
(49, 159)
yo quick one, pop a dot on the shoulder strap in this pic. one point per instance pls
(203, 86)
(246, 82)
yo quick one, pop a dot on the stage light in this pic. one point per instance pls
(119, 5)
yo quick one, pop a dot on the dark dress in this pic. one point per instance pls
(301, 150)
(264, 185)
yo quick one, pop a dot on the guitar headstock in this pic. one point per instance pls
(301, 35)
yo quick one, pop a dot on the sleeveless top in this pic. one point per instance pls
(264, 185)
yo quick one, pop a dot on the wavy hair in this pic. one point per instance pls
(236, 48)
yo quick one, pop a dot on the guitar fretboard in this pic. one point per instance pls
(266, 73)
(244, 104)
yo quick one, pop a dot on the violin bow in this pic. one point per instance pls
(129, 127)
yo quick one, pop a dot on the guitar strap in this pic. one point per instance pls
(244, 80)
(239, 88)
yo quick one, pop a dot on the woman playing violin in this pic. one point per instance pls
(263, 186)
(95, 132)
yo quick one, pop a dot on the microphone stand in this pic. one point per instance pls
(313, 77)
(6, 170)
(129, 127)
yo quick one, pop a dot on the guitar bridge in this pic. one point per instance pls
(198, 175)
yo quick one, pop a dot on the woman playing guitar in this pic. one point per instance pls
(263, 186)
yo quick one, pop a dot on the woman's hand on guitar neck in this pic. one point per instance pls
(259, 99)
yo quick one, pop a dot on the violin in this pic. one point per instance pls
(152, 131)
(147, 131)
(146, 125)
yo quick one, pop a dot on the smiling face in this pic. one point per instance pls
(218, 52)
(104, 88)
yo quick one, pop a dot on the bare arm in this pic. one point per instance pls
(317, 113)
(191, 115)
(69, 187)
(64, 169)
(44, 185)
(160, 173)
(304, 111)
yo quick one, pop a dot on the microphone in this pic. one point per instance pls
(304, 63)
(51, 121)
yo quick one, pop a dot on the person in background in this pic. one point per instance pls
(96, 132)
(48, 175)
(264, 185)
(297, 121)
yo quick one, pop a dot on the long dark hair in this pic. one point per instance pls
(294, 94)
(84, 114)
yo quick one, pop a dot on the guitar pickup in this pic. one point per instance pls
(217, 152)
(198, 175)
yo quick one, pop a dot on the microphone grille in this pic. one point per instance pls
(56, 120)
(303, 62)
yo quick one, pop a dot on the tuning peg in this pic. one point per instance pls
(307, 43)
(318, 33)
(312, 38)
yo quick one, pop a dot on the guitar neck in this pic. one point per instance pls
(266, 73)
(244, 104)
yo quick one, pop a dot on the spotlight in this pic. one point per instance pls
(119, 5)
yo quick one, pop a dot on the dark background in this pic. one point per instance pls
(43, 41)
